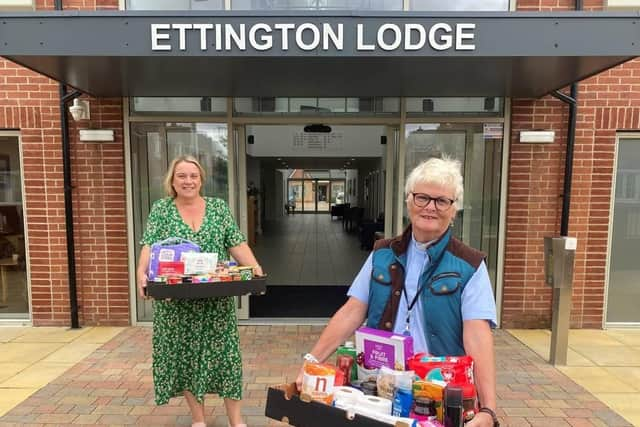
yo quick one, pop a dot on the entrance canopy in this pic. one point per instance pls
(262, 53)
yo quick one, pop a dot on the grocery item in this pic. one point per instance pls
(199, 263)
(403, 395)
(168, 250)
(433, 390)
(318, 381)
(349, 349)
(345, 363)
(382, 348)
(453, 409)
(450, 369)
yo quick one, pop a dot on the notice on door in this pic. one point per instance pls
(318, 142)
(492, 131)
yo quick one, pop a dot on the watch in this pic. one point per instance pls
(310, 358)
(490, 411)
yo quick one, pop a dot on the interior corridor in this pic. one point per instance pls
(309, 249)
(310, 261)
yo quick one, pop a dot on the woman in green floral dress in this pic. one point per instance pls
(195, 342)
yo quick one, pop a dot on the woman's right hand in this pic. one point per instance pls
(142, 283)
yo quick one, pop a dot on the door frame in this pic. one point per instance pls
(394, 165)
(28, 320)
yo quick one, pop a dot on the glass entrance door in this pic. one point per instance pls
(313, 195)
(14, 294)
(153, 146)
(624, 287)
(478, 147)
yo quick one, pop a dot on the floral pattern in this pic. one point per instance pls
(195, 342)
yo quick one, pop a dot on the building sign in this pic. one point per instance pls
(308, 36)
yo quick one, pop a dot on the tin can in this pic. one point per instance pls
(246, 273)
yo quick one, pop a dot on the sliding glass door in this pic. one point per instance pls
(153, 146)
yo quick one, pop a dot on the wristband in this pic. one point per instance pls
(310, 358)
(490, 411)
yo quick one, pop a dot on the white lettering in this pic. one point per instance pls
(239, 39)
(218, 35)
(284, 29)
(315, 41)
(360, 43)
(445, 41)
(462, 35)
(337, 39)
(265, 39)
(422, 36)
(397, 37)
(203, 34)
(181, 34)
(156, 36)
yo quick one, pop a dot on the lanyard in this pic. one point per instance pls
(430, 270)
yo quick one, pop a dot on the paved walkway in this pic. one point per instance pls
(605, 363)
(113, 385)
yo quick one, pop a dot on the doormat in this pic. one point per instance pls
(298, 301)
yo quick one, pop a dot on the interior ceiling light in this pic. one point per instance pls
(317, 128)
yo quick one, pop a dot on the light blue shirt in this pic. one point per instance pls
(478, 302)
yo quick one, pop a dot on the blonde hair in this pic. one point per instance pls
(445, 171)
(168, 178)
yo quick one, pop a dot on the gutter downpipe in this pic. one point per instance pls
(68, 196)
(572, 100)
(561, 299)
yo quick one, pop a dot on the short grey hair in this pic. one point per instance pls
(441, 171)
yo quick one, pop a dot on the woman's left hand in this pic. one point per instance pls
(481, 419)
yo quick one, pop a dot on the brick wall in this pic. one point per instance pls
(30, 103)
(608, 102)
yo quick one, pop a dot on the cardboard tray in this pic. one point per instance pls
(255, 286)
(285, 404)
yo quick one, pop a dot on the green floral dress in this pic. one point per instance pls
(195, 342)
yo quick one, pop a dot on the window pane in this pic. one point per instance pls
(175, 5)
(316, 4)
(14, 298)
(204, 104)
(624, 291)
(303, 105)
(333, 105)
(153, 146)
(461, 5)
(454, 105)
(478, 147)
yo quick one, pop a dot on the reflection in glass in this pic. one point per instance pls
(14, 296)
(479, 149)
(624, 288)
(153, 146)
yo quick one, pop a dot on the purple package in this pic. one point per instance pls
(168, 250)
(382, 348)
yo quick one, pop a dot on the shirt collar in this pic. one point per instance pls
(422, 247)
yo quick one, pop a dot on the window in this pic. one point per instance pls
(175, 4)
(459, 5)
(202, 104)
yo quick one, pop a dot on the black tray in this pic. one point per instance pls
(286, 405)
(255, 286)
